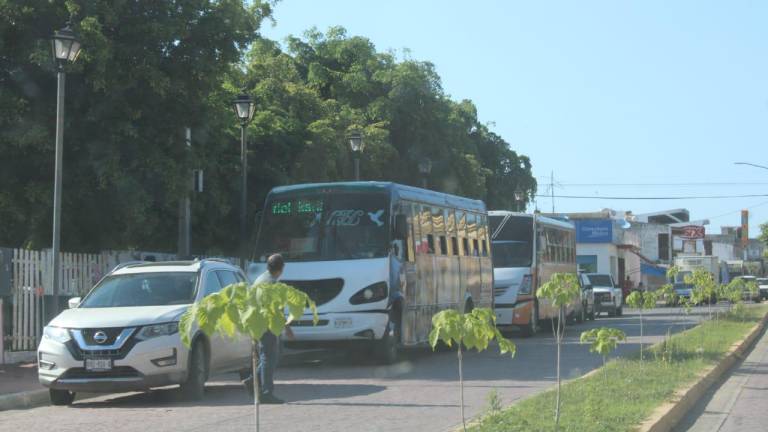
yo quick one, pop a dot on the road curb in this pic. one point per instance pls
(669, 414)
(24, 400)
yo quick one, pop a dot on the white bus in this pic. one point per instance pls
(379, 259)
(527, 250)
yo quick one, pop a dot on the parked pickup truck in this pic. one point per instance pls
(608, 296)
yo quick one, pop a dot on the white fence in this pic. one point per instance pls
(32, 280)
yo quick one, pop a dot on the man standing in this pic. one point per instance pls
(268, 344)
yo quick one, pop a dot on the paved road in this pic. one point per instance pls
(738, 403)
(341, 393)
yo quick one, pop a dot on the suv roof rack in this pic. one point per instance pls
(126, 264)
(162, 263)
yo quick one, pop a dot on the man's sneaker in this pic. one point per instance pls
(270, 399)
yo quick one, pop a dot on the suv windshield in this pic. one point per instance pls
(325, 227)
(600, 280)
(143, 289)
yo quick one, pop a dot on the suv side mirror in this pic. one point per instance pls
(401, 227)
(74, 302)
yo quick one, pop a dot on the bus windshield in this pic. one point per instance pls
(510, 253)
(325, 227)
(512, 241)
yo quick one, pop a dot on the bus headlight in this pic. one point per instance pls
(370, 294)
(525, 285)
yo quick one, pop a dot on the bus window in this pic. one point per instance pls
(407, 210)
(483, 235)
(443, 245)
(428, 243)
(461, 232)
(450, 230)
(455, 246)
(472, 234)
(416, 226)
(438, 221)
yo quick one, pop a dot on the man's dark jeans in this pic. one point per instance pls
(267, 362)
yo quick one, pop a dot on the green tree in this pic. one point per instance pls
(642, 300)
(603, 341)
(246, 310)
(562, 290)
(705, 288)
(147, 70)
(473, 330)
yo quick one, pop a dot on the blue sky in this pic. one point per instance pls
(603, 93)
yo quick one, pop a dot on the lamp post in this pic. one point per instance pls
(518, 198)
(357, 145)
(244, 107)
(425, 168)
(66, 48)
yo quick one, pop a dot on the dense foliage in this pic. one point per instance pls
(150, 69)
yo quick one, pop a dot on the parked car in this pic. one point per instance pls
(124, 334)
(607, 296)
(762, 283)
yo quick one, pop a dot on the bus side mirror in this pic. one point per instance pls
(401, 227)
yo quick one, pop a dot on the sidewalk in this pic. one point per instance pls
(19, 387)
(739, 401)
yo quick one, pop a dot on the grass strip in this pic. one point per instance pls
(626, 391)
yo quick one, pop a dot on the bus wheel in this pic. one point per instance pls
(533, 325)
(387, 348)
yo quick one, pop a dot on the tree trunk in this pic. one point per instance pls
(461, 388)
(641, 335)
(255, 374)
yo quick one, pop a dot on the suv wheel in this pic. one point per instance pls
(61, 397)
(197, 374)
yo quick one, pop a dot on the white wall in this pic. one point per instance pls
(604, 252)
(724, 251)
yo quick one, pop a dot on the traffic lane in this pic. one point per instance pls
(341, 392)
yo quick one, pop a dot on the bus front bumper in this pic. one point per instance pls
(515, 314)
(337, 326)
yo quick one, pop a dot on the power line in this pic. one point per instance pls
(652, 197)
(663, 184)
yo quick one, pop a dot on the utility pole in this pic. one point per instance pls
(185, 213)
(552, 189)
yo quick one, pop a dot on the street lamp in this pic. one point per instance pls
(519, 195)
(244, 107)
(66, 48)
(425, 168)
(357, 145)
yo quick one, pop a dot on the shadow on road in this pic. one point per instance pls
(230, 394)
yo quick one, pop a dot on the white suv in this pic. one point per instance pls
(124, 335)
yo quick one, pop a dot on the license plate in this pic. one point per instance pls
(98, 364)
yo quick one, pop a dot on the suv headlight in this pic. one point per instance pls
(156, 330)
(58, 334)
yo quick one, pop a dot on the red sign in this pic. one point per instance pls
(692, 232)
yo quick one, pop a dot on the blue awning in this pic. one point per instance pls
(652, 270)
